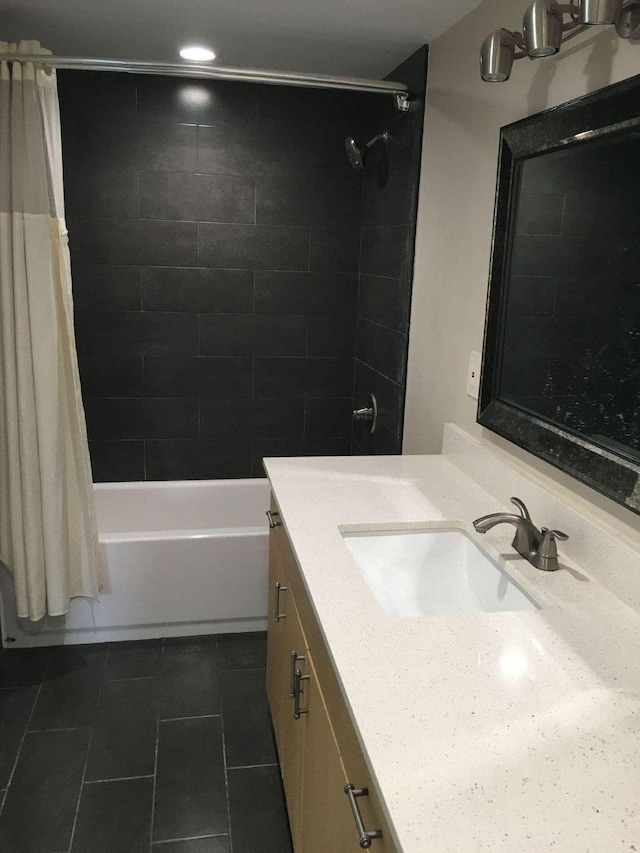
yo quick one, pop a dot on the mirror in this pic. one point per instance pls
(561, 364)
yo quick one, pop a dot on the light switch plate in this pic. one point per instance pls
(473, 375)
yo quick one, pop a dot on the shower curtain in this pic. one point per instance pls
(48, 533)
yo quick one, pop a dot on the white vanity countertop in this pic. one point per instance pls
(492, 731)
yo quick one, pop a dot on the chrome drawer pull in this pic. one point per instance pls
(297, 690)
(365, 836)
(269, 513)
(277, 616)
(294, 657)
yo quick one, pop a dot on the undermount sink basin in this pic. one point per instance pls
(425, 572)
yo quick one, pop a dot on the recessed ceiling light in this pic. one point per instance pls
(197, 54)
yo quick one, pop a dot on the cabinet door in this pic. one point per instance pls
(277, 635)
(327, 822)
(291, 743)
(286, 654)
(311, 762)
(369, 807)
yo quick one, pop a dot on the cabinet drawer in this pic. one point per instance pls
(279, 535)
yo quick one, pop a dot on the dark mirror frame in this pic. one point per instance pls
(608, 111)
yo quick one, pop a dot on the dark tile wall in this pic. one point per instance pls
(214, 231)
(387, 238)
(226, 264)
(572, 348)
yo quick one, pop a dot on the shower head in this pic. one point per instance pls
(357, 153)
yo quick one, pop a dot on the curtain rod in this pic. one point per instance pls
(243, 75)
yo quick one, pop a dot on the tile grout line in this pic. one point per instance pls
(253, 766)
(86, 761)
(255, 199)
(224, 761)
(108, 649)
(190, 717)
(84, 770)
(131, 678)
(24, 736)
(117, 779)
(244, 668)
(155, 760)
(61, 729)
(190, 838)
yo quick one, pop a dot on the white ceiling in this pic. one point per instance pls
(364, 38)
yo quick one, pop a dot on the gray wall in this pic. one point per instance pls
(455, 216)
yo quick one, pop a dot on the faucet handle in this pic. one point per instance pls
(547, 547)
(546, 555)
(524, 512)
(554, 534)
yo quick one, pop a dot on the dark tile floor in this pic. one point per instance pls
(153, 747)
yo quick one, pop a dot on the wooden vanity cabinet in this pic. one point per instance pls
(278, 644)
(327, 821)
(319, 750)
(286, 653)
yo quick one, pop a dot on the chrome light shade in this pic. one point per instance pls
(600, 11)
(628, 26)
(542, 27)
(496, 56)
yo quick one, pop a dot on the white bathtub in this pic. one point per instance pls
(182, 558)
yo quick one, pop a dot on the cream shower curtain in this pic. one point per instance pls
(48, 535)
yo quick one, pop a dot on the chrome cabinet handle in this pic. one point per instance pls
(277, 616)
(366, 836)
(298, 677)
(294, 657)
(269, 513)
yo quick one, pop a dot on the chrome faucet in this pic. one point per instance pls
(536, 546)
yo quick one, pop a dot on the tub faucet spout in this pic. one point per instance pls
(536, 546)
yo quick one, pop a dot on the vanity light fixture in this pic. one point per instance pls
(628, 26)
(197, 54)
(595, 12)
(542, 27)
(497, 55)
(547, 24)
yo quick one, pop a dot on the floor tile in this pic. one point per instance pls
(66, 702)
(207, 641)
(134, 660)
(85, 661)
(242, 651)
(213, 844)
(15, 707)
(22, 667)
(70, 689)
(114, 817)
(258, 816)
(124, 737)
(120, 690)
(190, 788)
(247, 721)
(40, 807)
(189, 679)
